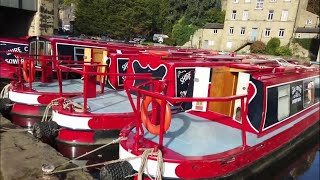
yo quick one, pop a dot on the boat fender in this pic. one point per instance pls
(45, 130)
(5, 106)
(117, 171)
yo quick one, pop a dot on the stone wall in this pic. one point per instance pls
(45, 19)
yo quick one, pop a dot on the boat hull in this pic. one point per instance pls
(72, 150)
(26, 115)
(242, 163)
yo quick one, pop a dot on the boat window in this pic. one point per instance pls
(78, 54)
(316, 89)
(283, 102)
(40, 50)
(33, 48)
(308, 93)
(49, 48)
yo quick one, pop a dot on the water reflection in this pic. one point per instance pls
(300, 164)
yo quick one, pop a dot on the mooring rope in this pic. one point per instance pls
(144, 164)
(5, 91)
(142, 169)
(54, 102)
(4, 129)
(87, 153)
(66, 104)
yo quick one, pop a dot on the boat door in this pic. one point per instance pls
(254, 33)
(201, 87)
(242, 88)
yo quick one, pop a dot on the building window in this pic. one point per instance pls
(235, 1)
(270, 15)
(273, 0)
(283, 102)
(284, 15)
(281, 32)
(231, 30)
(247, 1)
(245, 15)
(78, 54)
(242, 30)
(259, 4)
(308, 93)
(229, 44)
(211, 42)
(299, 35)
(267, 32)
(215, 31)
(233, 15)
(309, 22)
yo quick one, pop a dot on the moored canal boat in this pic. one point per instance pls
(110, 111)
(248, 112)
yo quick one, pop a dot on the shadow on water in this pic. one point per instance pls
(302, 164)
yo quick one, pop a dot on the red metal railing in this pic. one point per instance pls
(48, 64)
(89, 73)
(155, 92)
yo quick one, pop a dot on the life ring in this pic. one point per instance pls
(29, 77)
(152, 128)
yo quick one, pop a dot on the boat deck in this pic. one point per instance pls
(190, 135)
(68, 86)
(111, 101)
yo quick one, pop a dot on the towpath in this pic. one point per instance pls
(22, 157)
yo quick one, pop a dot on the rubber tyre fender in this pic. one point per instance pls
(117, 171)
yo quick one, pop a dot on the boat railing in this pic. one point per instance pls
(89, 73)
(27, 63)
(156, 92)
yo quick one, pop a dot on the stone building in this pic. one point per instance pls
(28, 17)
(247, 21)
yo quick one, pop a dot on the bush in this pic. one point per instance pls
(169, 41)
(283, 51)
(258, 47)
(272, 46)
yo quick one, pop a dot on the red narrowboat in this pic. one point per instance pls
(232, 116)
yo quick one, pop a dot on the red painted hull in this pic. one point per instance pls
(26, 115)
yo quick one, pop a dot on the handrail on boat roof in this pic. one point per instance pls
(155, 91)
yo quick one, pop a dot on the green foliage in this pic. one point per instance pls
(181, 32)
(311, 44)
(170, 41)
(272, 45)
(283, 51)
(126, 19)
(258, 47)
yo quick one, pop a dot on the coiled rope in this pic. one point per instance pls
(66, 105)
(144, 164)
